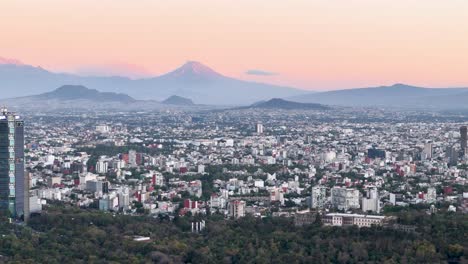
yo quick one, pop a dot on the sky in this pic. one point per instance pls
(309, 44)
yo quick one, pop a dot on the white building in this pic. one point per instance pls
(85, 178)
(372, 201)
(102, 167)
(270, 161)
(344, 198)
(259, 128)
(236, 209)
(103, 128)
(118, 164)
(431, 196)
(318, 197)
(35, 204)
(201, 168)
(259, 183)
(217, 201)
(336, 219)
(277, 194)
(132, 158)
(124, 199)
(329, 156)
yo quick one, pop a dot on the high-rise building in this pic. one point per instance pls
(427, 151)
(14, 191)
(371, 202)
(463, 138)
(318, 197)
(236, 209)
(102, 167)
(132, 158)
(344, 198)
(452, 156)
(259, 128)
(124, 199)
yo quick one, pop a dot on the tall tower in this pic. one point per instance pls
(14, 193)
(319, 197)
(463, 138)
(259, 128)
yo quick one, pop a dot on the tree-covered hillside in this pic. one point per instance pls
(68, 235)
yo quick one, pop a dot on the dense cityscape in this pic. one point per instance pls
(233, 132)
(305, 166)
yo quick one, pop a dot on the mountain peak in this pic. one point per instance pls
(178, 100)
(73, 88)
(194, 69)
(7, 61)
(401, 86)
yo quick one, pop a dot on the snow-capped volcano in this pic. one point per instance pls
(191, 80)
(193, 69)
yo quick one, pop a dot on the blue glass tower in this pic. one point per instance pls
(13, 183)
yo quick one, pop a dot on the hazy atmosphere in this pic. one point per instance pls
(234, 131)
(316, 45)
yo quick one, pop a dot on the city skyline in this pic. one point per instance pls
(314, 45)
(248, 131)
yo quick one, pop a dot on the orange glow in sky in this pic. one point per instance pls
(326, 44)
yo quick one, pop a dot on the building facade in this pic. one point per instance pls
(306, 217)
(344, 198)
(336, 219)
(371, 202)
(14, 191)
(318, 197)
(259, 128)
(464, 138)
(236, 209)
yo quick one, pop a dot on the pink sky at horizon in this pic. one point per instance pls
(317, 45)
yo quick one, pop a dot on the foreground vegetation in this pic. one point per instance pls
(69, 235)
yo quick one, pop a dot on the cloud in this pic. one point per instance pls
(260, 72)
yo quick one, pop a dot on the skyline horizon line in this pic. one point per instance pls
(19, 62)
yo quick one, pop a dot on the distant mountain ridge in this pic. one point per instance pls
(78, 97)
(397, 95)
(178, 100)
(192, 80)
(277, 103)
(79, 92)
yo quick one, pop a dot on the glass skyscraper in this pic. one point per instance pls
(13, 183)
(463, 138)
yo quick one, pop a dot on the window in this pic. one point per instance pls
(12, 190)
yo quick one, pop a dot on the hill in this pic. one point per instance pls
(398, 95)
(79, 92)
(81, 98)
(178, 100)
